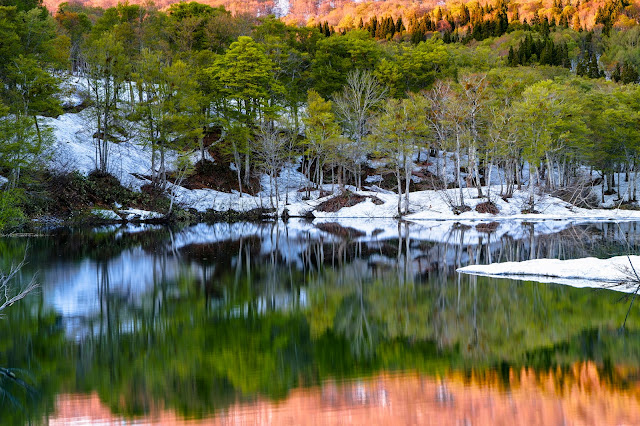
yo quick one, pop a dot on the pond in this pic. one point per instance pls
(303, 322)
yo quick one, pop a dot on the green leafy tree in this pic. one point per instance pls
(245, 82)
(169, 113)
(27, 88)
(337, 55)
(545, 121)
(322, 135)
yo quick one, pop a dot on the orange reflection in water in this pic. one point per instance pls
(578, 397)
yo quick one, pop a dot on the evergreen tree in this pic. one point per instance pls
(628, 74)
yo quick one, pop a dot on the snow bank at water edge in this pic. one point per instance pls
(615, 273)
(435, 205)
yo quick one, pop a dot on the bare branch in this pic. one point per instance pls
(7, 291)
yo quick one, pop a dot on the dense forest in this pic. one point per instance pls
(550, 101)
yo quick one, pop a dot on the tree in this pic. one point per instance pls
(169, 112)
(337, 56)
(545, 120)
(396, 132)
(10, 293)
(75, 25)
(21, 146)
(355, 107)
(421, 64)
(34, 89)
(322, 135)
(270, 151)
(612, 116)
(244, 78)
(436, 112)
(27, 88)
(106, 69)
(474, 91)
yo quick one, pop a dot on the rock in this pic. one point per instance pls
(136, 214)
(105, 214)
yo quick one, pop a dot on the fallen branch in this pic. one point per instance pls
(7, 290)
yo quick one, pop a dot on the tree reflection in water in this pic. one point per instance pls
(201, 319)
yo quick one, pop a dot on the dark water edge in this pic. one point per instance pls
(204, 321)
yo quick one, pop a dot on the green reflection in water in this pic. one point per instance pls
(256, 326)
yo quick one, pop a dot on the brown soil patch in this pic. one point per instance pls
(346, 199)
(487, 207)
(218, 176)
(63, 194)
(460, 209)
(429, 181)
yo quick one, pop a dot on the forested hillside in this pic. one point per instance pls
(345, 14)
(453, 97)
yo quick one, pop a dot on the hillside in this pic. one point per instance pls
(347, 13)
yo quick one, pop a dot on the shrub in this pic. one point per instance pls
(11, 216)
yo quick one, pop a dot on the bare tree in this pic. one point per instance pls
(436, 114)
(270, 150)
(9, 292)
(474, 91)
(396, 131)
(355, 108)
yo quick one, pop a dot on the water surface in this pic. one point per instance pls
(307, 323)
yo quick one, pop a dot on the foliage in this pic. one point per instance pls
(11, 214)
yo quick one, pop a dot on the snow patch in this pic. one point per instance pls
(105, 214)
(136, 214)
(615, 273)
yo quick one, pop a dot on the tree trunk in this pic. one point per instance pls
(476, 171)
(458, 174)
(398, 178)
(532, 171)
(238, 161)
(247, 169)
(407, 183)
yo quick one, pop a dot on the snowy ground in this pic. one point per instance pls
(616, 273)
(434, 205)
(74, 149)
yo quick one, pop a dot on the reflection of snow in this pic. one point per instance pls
(77, 290)
(586, 272)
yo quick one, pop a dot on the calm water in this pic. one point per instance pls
(303, 323)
